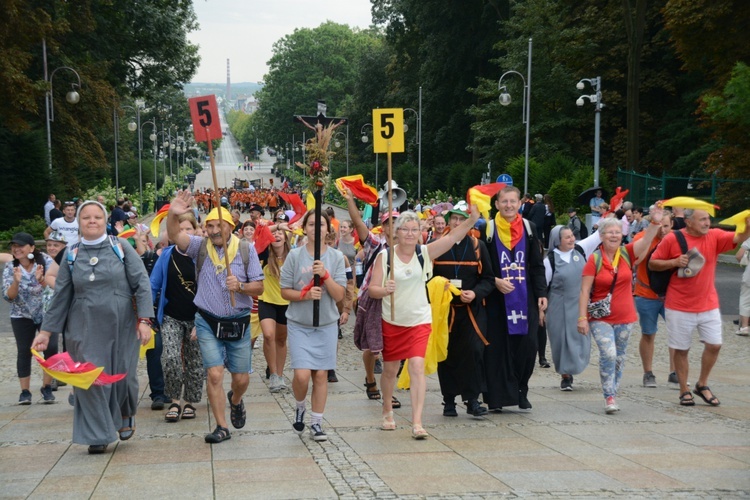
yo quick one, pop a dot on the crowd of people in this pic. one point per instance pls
(207, 289)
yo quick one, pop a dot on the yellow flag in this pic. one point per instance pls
(737, 220)
(688, 202)
(310, 200)
(150, 345)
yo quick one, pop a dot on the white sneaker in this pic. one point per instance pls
(273, 383)
(282, 384)
(744, 331)
(610, 405)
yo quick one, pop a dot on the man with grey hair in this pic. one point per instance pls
(691, 301)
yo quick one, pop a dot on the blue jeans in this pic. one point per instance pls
(613, 344)
(236, 354)
(154, 369)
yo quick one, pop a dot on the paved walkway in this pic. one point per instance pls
(564, 447)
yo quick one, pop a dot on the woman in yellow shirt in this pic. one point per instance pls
(272, 312)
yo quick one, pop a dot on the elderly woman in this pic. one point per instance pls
(93, 305)
(24, 281)
(563, 268)
(406, 335)
(608, 277)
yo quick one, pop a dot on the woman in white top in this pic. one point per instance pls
(405, 337)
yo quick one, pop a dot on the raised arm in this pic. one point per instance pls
(181, 204)
(351, 205)
(640, 247)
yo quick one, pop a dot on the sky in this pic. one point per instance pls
(244, 31)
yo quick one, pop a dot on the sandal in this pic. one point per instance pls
(173, 413)
(388, 423)
(418, 432)
(713, 400)
(686, 399)
(188, 412)
(237, 412)
(128, 429)
(372, 389)
(218, 435)
(395, 403)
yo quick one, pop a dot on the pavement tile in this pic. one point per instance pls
(259, 446)
(73, 487)
(544, 460)
(713, 478)
(284, 488)
(375, 442)
(161, 450)
(156, 480)
(559, 481)
(253, 471)
(642, 477)
(696, 459)
(741, 453)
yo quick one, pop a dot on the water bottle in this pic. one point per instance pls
(358, 267)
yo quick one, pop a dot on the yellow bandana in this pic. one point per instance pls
(220, 264)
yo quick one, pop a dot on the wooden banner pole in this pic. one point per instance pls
(217, 198)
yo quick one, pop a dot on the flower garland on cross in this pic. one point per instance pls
(318, 155)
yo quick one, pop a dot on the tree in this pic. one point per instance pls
(634, 20)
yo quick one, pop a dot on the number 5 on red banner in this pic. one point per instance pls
(205, 115)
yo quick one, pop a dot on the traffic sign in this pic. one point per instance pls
(506, 178)
(205, 115)
(388, 127)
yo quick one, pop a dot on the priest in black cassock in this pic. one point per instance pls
(467, 266)
(513, 307)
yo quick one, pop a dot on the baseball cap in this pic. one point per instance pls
(385, 216)
(459, 208)
(22, 239)
(571, 210)
(56, 236)
(132, 215)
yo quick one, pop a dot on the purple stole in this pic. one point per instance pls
(512, 265)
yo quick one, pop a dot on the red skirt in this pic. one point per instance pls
(404, 342)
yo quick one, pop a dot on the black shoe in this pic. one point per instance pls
(157, 404)
(543, 363)
(299, 421)
(332, 376)
(474, 408)
(268, 373)
(218, 435)
(566, 384)
(341, 335)
(97, 449)
(378, 366)
(237, 412)
(25, 397)
(523, 402)
(47, 396)
(450, 408)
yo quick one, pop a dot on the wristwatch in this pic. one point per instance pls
(242, 287)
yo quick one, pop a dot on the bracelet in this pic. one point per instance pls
(145, 321)
(656, 223)
(582, 318)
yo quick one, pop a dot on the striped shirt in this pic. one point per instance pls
(212, 294)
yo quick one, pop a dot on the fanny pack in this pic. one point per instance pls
(226, 329)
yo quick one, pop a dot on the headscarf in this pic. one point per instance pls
(554, 236)
(106, 217)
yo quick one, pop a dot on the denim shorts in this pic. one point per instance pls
(649, 311)
(213, 350)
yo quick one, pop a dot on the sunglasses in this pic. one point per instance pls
(69, 203)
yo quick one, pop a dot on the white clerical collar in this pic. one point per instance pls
(94, 242)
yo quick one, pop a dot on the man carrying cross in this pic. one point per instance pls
(513, 306)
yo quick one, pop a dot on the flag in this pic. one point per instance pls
(309, 199)
(82, 375)
(688, 202)
(128, 233)
(737, 220)
(616, 201)
(157, 220)
(481, 195)
(360, 190)
(263, 237)
(296, 202)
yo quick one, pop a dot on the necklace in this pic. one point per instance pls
(93, 261)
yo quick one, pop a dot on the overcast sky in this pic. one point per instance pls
(244, 31)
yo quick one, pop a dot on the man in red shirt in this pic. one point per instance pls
(684, 312)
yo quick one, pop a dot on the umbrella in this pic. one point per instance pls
(737, 220)
(585, 197)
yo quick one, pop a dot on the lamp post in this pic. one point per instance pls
(338, 145)
(49, 103)
(526, 112)
(301, 146)
(133, 127)
(365, 139)
(596, 100)
(418, 114)
(152, 137)
(286, 152)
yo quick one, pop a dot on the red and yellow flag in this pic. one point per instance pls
(128, 233)
(359, 188)
(296, 202)
(157, 220)
(82, 375)
(481, 195)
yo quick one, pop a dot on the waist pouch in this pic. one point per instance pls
(226, 329)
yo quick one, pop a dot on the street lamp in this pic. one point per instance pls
(133, 126)
(418, 114)
(301, 147)
(596, 100)
(286, 149)
(365, 139)
(152, 137)
(505, 100)
(49, 103)
(338, 145)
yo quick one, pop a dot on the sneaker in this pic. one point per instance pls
(674, 382)
(744, 331)
(71, 399)
(299, 421)
(47, 396)
(449, 410)
(476, 409)
(54, 385)
(649, 379)
(282, 384)
(273, 383)
(157, 404)
(610, 405)
(378, 366)
(566, 384)
(332, 378)
(25, 397)
(316, 431)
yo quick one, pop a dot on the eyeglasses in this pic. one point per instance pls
(613, 233)
(69, 203)
(413, 230)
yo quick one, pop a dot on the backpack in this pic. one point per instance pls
(114, 242)
(203, 253)
(659, 280)
(583, 233)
